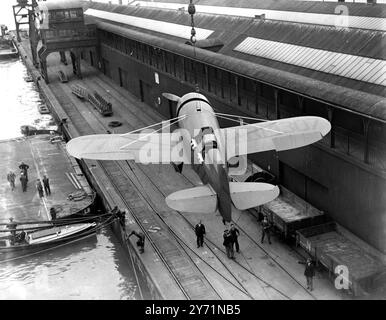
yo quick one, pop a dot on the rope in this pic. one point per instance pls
(149, 134)
(150, 126)
(251, 124)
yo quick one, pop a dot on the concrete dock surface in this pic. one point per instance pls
(43, 158)
(260, 271)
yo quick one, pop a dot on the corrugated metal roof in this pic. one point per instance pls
(332, 19)
(173, 29)
(355, 9)
(344, 97)
(59, 4)
(345, 65)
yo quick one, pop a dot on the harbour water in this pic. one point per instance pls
(95, 268)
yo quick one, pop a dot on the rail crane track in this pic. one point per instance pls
(84, 128)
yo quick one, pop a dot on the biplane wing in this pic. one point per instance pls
(150, 147)
(279, 135)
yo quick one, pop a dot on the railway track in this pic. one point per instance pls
(266, 252)
(183, 243)
(191, 284)
(219, 249)
(84, 128)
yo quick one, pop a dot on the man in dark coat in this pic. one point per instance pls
(200, 232)
(11, 176)
(228, 244)
(23, 181)
(235, 233)
(309, 272)
(46, 184)
(24, 168)
(140, 241)
(53, 213)
(266, 226)
(12, 229)
(39, 188)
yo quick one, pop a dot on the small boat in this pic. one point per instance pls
(8, 49)
(46, 234)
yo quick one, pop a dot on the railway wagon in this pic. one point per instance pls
(79, 91)
(343, 254)
(289, 213)
(99, 103)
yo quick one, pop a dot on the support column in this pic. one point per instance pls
(43, 68)
(237, 90)
(63, 57)
(33, 38)
(330, 113)
(301, 104)
(257, 95)
(207, 78)
(78, 65)
(184, 69)
(366, 127)
(277, 104)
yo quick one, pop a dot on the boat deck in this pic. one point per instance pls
(178, 269)
(43, 158)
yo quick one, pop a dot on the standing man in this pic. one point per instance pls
(266, 230)
(140, 241)
(23, 181)
(235, 233)
(53, 213)
(228, 244)
(200, 232)
(309, 272)
(12, 229)
(11, 176)
(24, 167)
(39, 188)
(46, 183)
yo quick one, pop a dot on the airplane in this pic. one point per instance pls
(210, 150)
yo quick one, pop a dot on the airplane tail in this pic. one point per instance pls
(202, 199)
(246, 195)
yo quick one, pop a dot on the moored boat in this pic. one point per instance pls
(8, 49)
(34, 237)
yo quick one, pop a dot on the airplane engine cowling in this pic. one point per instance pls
(237, 165)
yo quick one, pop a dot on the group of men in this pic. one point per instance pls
(230, 238)
(11, 177)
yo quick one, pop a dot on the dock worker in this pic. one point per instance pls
(39, 188)
(266, 230)
(309, 273)
(140, 241)
(12, 229)
(228, 244)
(23, 181)
(200, 232)
(53, 213)
(11, 176)
(24, 168)
(46, 184)
(235, 234)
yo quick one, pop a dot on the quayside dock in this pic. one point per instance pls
(44, 158)
(174, 267)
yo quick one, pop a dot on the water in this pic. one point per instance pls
(94, 268)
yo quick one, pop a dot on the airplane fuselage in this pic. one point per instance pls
(206, 147)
